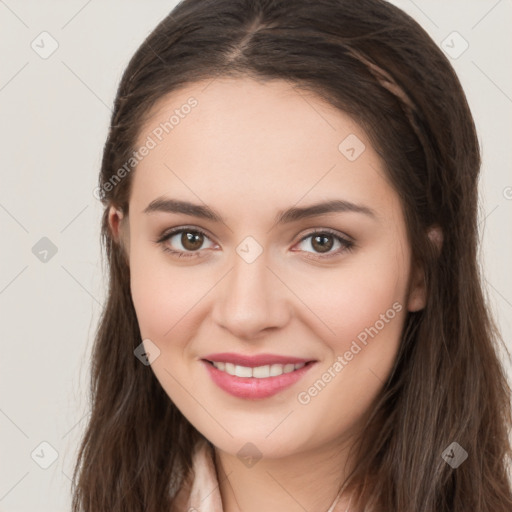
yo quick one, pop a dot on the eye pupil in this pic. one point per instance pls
(322, 248)
(191, 241)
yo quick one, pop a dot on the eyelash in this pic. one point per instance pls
(347, 245)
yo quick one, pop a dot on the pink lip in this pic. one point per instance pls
(251, 387)
(254, 361)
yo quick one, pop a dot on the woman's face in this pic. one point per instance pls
(249, 165)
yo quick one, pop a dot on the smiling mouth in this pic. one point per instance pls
(256, 382)
(257, 372)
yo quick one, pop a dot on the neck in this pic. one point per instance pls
(302, 481)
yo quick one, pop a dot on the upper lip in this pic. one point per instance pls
(256, 360)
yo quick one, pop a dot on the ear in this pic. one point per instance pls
(115, 217)
(417, 287)
(417, 290)
(119, 229)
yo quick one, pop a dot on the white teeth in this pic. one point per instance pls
(276, 369)
(230, 368)
(289, 368)
(243, 371)
(259, 372)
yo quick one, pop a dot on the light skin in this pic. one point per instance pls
(250, 150)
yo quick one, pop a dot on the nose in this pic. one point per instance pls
(251, 299)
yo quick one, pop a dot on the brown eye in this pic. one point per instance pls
(191, 240)
(184, 242)
(322, 243)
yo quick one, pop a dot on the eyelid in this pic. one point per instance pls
(329, 231)
(166, 234)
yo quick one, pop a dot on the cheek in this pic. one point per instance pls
(158, 297)
(356, 298)
(368, 309)
(368, 324)
(166, 297)
(364, 309)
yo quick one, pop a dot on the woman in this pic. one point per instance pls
(295, 318)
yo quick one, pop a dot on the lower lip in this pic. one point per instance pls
(251, 387)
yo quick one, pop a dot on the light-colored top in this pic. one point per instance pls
(200, 490)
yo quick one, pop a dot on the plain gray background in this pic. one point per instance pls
(54, 118)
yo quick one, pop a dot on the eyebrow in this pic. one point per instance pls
(293, 214)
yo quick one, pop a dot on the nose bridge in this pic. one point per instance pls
(252, 298)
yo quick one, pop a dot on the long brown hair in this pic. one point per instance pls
(371, 60)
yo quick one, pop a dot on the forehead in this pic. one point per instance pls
(242, 142)
(245, 110)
